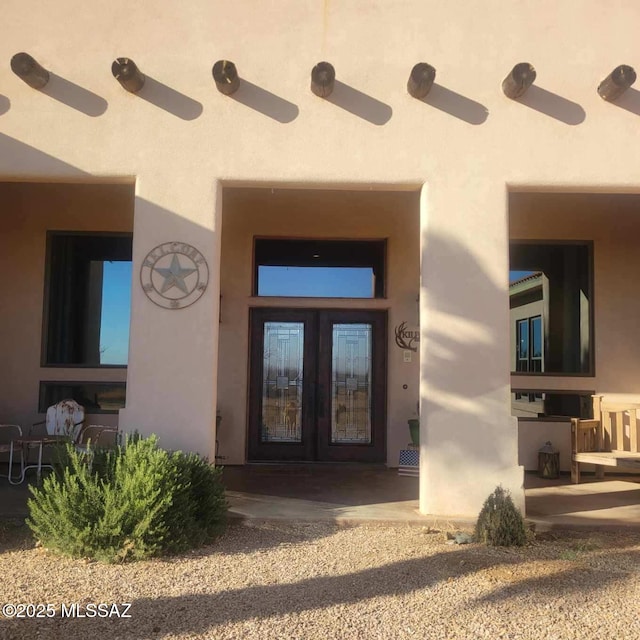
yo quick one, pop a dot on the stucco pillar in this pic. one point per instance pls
(468, 437)
(171, 378)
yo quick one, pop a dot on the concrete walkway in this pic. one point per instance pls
(359, 493)
(374, 493)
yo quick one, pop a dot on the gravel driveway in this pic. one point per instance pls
(316, 580)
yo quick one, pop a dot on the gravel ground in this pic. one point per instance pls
(316, 580)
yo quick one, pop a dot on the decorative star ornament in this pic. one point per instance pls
(174, 276)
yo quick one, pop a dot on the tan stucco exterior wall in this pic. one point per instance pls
(248, 213)
(181, 140)
(28, 212)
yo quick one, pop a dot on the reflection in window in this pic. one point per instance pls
(316, 282)
(89, 292)
(529, 344)
(95, 397)
(542, 404)
(116, 310)
(319, 268)
(351, 383)
(282, 382)
(550, 305)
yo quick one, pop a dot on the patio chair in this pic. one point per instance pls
(95, 436)
(8, 433)
(63, 419)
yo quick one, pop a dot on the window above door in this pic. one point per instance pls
(319, 268)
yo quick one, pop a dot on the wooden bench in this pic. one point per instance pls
(610, 439)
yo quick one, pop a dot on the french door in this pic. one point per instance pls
(317, 385)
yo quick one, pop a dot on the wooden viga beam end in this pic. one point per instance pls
(421, 80)
(27, 69)
(617, 82)
(126, 72)
(226, 77)
(519, 79)
(323, 77)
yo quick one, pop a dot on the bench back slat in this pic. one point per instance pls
(617, 434)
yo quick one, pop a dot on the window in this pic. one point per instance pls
(95, 397)
(529, 344)
(551, 404)
(319, 268)
(551, 307)
(88, 298)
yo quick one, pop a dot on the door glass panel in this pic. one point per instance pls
(351, 384)
(282, 382)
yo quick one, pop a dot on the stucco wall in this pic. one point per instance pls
(316, 214)
(28, 212)
(182, 140)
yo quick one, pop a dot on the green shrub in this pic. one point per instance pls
(500, 523)
(132, 502)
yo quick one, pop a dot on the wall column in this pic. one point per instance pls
(172, 373)
(468, 439)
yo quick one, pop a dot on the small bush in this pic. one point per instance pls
(132, 502)
(500, 523)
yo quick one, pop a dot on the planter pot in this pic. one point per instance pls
(414, 431)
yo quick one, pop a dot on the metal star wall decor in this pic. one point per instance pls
(174, 275)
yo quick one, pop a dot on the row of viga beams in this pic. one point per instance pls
(323, 77)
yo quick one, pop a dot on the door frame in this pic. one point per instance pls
(316, 410)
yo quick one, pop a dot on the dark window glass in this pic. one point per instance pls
(89, 293)
(553, 282)
(523, 346)
(536, 337)
(538, 404)
(95, 397)
(320, 268)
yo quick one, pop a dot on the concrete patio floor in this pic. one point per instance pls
(357, 493)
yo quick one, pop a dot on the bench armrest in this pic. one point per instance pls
(586, 435)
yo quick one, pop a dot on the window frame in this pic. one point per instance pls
(46, 307)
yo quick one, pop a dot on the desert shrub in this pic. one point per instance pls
(130, 503)
(500, 522)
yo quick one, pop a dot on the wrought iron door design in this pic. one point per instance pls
(317, 385)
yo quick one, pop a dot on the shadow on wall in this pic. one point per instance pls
(360, 104)
(18, 160)
(553, 105)
(170, 100)
(461, 364)
(456, 105)
(74, 96)
(5, 104)
(265, 102)
(629, 101)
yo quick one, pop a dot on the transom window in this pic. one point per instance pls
(319, 268)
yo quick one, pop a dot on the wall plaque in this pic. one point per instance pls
(174, 275)
(406, 339)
